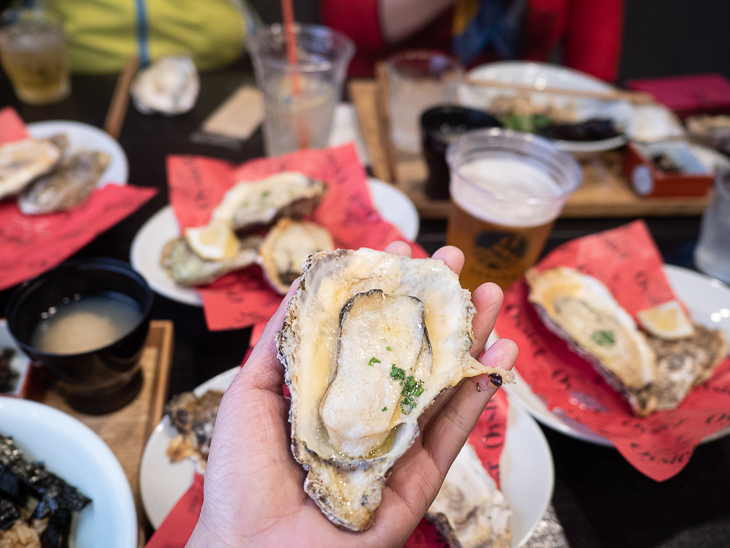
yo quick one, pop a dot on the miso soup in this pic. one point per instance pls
(85, 323)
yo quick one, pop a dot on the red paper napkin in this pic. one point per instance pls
(32, 244)
(628, 262)
(243, 298)
(487, 438)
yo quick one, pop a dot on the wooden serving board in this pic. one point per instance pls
(604, 192)
(126, 431)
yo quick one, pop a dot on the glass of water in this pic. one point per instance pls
(712, 254)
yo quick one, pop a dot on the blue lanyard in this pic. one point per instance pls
(144, 54)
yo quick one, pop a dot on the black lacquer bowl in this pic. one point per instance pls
(102, 379)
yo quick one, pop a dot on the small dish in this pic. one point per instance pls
(526, 468)
(76, 454)
(394, 206)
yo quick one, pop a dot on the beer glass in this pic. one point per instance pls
(507, 188)
(712, 254)
(34, 56)
(299, 99)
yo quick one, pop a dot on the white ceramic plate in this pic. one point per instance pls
(86, 137)
(19, 362)
(708, 301)
(75, 453)
(541, 75)
(526, 469)
(394, 206)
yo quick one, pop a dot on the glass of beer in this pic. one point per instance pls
(507, 188)
(34, 56)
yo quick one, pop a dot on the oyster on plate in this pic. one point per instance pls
(581, 310)
(251, 205)
(169, 86)
(369, 340)
(469, 510)
(286, 246)
(67, 186)
(24, 160)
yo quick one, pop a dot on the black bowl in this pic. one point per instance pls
(440, 126)
(98, 380)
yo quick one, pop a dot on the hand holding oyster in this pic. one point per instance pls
(253, 484)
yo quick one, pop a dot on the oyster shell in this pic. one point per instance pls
(67, 186)
(188, 269)
(470, 511)
(169, 86)
(286, 247)
(369, 340)
(581, 310)
(251, 205)
(24, 160)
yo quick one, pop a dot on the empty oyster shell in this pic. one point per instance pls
(24, 160)
(369, 340)
(287, 246)
(251, 205)
(470, 511)
(67, 186)
(581, 310)
(169, 86)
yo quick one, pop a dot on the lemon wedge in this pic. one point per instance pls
(666, 321)
(215, 241)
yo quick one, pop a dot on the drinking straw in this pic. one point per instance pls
(287, 10)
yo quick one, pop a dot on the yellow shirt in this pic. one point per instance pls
(102, 34)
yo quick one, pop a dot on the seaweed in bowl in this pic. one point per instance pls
(36, 506)
(593, 129)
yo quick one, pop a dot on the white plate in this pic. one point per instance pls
(541, 75)
(526, 469)
(19, 362)
(76, 454)
(86, 137)
(708, 301)
(394, 206)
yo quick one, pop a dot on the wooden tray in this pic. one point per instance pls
(604, 192)
(126, 431)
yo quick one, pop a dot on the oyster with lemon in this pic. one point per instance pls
(370, 339)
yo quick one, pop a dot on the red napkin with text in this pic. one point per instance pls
(33, 244)
(627, 261)
(197, 185)
(487, 438)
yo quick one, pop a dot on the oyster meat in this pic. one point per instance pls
(369, 340)
(254, 204)
(67, 186)
(581, 310)
(169, 86)
(194, 419)
(286, 247)
(470, 511)
(24, 160)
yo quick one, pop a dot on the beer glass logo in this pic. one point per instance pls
(500, 250)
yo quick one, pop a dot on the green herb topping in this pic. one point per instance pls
(397, 373)
(265, 194)
(411, 390)
(603, 338)
(389, 349)
(373, 361)
(385, 408)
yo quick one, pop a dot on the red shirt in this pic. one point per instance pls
(590, 32)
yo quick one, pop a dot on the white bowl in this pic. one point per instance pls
(76, 454)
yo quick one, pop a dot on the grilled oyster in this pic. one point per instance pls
(287, 246)
(369, 340)
(254, 204)
(581, 310)
(194, 419)
(169, 86)
(470, 511)
(24, 160)
(186, 268)
(67, 186)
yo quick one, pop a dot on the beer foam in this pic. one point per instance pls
(518, 193)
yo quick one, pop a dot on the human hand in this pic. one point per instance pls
(254, 491)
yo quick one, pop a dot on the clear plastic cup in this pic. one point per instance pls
(299, 100)
(712, 254)
(507, 189)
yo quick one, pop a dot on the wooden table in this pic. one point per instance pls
(599, 498)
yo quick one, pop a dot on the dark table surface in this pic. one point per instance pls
(600, 499)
